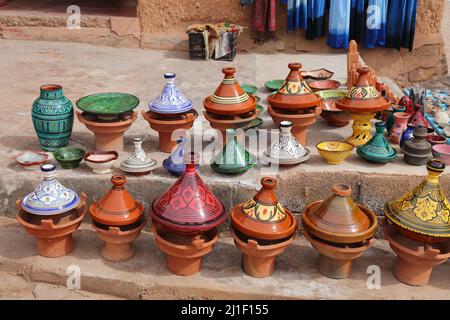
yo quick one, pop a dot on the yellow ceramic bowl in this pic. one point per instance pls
(335, 152)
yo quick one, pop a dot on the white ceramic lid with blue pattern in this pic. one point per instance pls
(171, 100)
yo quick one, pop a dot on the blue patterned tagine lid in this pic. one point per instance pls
(50, 197)
(175, 163)
(171, 100)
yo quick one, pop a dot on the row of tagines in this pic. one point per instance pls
(186, 216)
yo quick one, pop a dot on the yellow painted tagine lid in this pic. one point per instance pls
(423, 214)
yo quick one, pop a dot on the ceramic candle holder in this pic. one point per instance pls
(138, 163)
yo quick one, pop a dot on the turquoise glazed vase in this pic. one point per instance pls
(377, 149)
(52, 115)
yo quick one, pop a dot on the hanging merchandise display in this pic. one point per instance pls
(316, 19)
(375, 32)
(297, 14)
(401, 24)
(264, 17)
(339, 24)
(357, 20)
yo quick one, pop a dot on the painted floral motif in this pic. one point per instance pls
(268, 213)
(363, 93)
(298, 88)
(170, 100)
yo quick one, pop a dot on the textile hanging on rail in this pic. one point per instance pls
(297, 14)
(263, 19)
(357, 20)
(401, 24)
(316, 19)
(375, 33)
(339, 24)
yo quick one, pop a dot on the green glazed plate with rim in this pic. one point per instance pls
(249, 88)
(274, 85)
(108, 103)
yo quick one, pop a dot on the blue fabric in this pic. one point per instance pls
(357, 20)
(339, 24)
(297, 14)
(375, 34)
(410, 25)
(316, 19)
(401, 23)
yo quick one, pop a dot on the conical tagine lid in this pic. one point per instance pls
(188, 207)
(263, 217)
(171, 100)
(339, 219)
(229, 98)
(294, 93)
(424, 210)
(378, 148)
(363, 97)
(50, 197)
(117, 208)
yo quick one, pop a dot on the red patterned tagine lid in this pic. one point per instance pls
(229, 99)
(339, 219)
(294, 93)
(117, 208)
(363, 97)
(188, 207)
(263, 217)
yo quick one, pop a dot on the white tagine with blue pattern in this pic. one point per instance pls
(171, 100)
(50, 197)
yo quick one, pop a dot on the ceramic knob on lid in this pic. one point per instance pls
(263, 217)
(118, 207)
(188, 207)
(339, 219)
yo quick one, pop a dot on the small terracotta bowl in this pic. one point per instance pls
(69, 157)
(435, 139)
(101, 161)
(31, 160)
(324, 85)
(442, 152)
(335, 152)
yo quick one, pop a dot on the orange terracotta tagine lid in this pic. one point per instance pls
(263, 217)
(117, 208)
(294, 93)
(229, 99)
(339, 219)
(363, 97)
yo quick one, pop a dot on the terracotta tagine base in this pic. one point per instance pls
(108, 135)
(184, 253)
(258, 260)
(301, 120)
(167, 125)
(53, 233)
(415, 260)
(335, 261)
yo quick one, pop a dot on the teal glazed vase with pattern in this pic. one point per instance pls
(52, 115)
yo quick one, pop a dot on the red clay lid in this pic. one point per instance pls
(117, 208)
(263, 217)
(229, 98)
(363, 97)
(188, 207)
(294, 93)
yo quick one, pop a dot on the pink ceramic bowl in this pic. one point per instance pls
(442, 152)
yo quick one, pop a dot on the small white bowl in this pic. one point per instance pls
(31, 160)
(101, 161)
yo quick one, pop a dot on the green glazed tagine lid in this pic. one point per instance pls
(108, 103)
(377, 149)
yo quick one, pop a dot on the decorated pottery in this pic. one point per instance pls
(335, 152)
(435, 139)
(417, 151)
(101, 162)
(400, 124)
(286, 150)
(362, 102)
(31, 160)
(234, 158)
(52, 115)
(170, 100)
(391, 117)
(229, 98)
(418, 119)
(249, 88)
(317, 74)
(407, 134)
(138, 162)
(175, 162)
(274, 85)
(108, 106)
(441, 152)
(50, 197)
(319, 85)
(423, 214)
(377, 149)
(408, 104)
(69, 157)
(188, 207)
(334, 116)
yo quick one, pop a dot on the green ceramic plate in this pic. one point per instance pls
(260, 108)
(108, 103)
(249, 88)
(274, 85)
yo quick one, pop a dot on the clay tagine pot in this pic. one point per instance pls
(340, 230)
(138, 163)
(423, 213)
(417, 151)
(362, 102)
(377, 149)
(262, 229)
(174, 164)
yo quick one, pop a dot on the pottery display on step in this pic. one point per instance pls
(101, 162)
(333, 116)
(340, 230)
(138, 163)
(31, 160)
(69, 157)
(108, 116)
(407, 134)
(417, 151)
(51, 213)
(118, 219)
(390, 120)
(377, 150)
(362, 102)
(262, 228)
(335, 152)
(52, 116)
(400, 124)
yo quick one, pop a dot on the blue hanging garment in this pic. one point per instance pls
(316, 19)
(409, 28)
(401, 24)
(339, 24)
(357, 20)
(375, 34)
(297, 14)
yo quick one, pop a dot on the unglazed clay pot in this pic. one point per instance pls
(417, 151)
(400, 124)
(333, 116)
(108, 135)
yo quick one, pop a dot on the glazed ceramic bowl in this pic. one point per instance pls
(333, 116)
(249, 88)
(435, 139)
(31, 160)
(324, 85)
(101, 161)
(274, 85)
(69, 157)
(335, 152)
(442, 152)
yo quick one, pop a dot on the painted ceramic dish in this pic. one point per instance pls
(317, 74)
(249, 88)
(101, 161)
(442, 152)
(274, 85)
(50, 197)
(31, 160)
(110, 104)
(334, 116)
(324, 85)
(335, 152)
(69, 157)
(138, 162)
